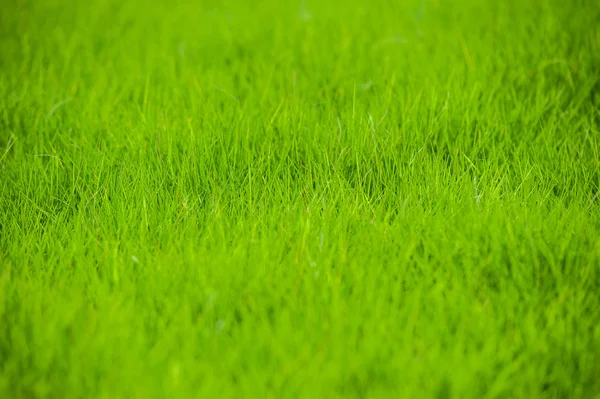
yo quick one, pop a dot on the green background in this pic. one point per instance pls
(299, 199)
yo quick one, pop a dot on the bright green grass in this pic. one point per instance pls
(308, 199)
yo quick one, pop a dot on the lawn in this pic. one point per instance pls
(305, 199)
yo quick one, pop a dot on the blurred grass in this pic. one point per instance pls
(234, 199)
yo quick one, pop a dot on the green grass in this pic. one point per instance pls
(308, 199)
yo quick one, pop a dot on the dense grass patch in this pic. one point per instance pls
(299, 199)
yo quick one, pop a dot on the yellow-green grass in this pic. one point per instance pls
(309, 199)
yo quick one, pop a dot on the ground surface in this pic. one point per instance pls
(299, 199)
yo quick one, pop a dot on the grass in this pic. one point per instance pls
(299, 199)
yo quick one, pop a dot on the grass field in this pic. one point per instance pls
(309, 199)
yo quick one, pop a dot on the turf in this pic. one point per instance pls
(299, 199)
